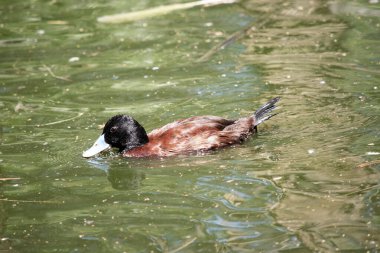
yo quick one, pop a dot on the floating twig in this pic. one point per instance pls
(31, 201)
(363, 190)
(9, 178)
(231, 39)
(48, 69)
(48, 124)
(235, 36)
(158, 11)
(60, 121)
(368, 164)
(187, 243)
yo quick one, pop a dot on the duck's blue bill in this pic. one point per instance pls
(99, 145)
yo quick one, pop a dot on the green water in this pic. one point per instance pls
(302, 185)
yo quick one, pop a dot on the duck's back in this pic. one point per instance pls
(195, 134)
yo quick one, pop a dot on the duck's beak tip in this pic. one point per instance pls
(99, 145)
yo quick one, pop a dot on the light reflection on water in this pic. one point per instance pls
(294, 186)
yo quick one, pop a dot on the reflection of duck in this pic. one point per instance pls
(195, 134)
(121, 178)
(125, 178)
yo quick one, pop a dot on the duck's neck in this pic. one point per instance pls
(132, 146)
(139, 151)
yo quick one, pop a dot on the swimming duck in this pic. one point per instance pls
(185, 136)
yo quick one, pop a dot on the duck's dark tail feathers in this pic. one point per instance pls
(263, 113)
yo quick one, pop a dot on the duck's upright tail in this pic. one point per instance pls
(263, 113)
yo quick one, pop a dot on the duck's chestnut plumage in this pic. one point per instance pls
(185, 136)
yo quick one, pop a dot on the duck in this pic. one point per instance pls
(194, 135)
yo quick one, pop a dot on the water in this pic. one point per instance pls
(303, 184)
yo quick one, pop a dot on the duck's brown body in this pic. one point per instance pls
(192, 135)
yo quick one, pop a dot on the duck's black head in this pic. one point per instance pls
(122, 132)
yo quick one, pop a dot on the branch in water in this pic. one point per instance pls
(60, 121)
(31, 201)
(158, 11)
(48, 69)
(231, 39)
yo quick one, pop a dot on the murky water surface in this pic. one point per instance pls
(308, 182)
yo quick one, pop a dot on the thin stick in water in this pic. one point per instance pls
(158, 11)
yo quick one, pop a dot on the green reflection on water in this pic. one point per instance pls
(295, 186)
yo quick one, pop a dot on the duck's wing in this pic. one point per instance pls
(191, 124)
(194, 134)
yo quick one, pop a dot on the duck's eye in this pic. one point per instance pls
(113, 129)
